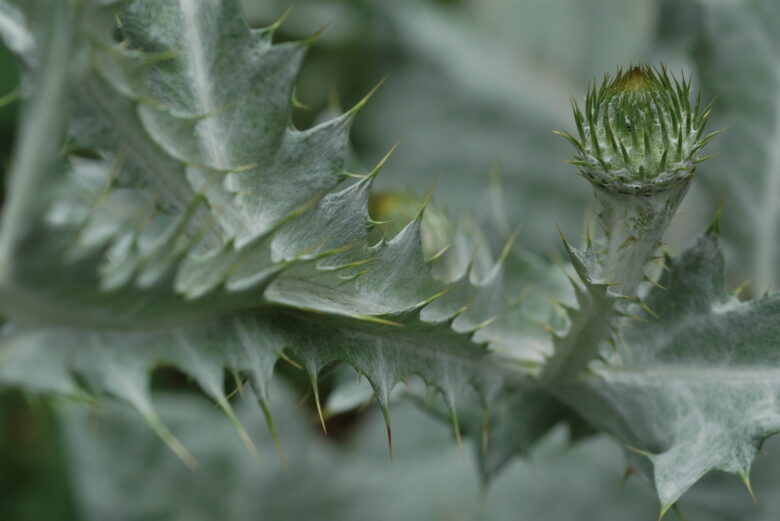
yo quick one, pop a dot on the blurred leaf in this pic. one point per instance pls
(737, 55)
(426, 480)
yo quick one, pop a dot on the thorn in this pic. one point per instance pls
(298, 104)
(317, 34)
(664, 510)
(639, 451)
(242, 433)
(461, 310)
(12, 96)
(661, 263)
(456, 430)
(382, 161)
(644, 306)
(746, 481)
(577, 117)
(316, 392)
(289, 360)
(304, 399)
(436, 256)
(439, 295)
(428, 196)
(654, 283)
(704, 158)
(633, 317)
(239, 382)
(485, 323)
(508, 245)
(709, 137)
(278, 23)
(588, 237)
(381, 223)
(388, 428)
(355, 264)
(266, 408)
(169, 439)
(563, 237)
(571, 139)
(630, 471)
(360, 104)
(740, 288)
(576, 162)
(714, 227)
(239, 386)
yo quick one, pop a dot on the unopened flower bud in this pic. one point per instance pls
(640, 139)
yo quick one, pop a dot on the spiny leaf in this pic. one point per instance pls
(694, 390)
(204, 231)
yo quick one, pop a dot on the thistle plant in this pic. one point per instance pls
(640, 137)
(162, 209)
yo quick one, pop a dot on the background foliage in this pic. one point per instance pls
(472, 85)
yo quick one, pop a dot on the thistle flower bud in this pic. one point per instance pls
(640, 139)
(638, 132)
